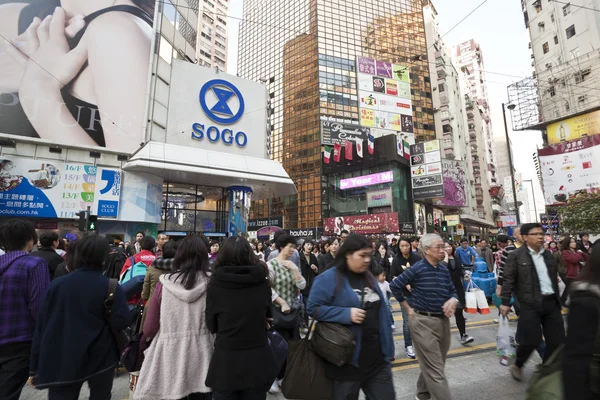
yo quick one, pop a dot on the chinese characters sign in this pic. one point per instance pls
(568, 167)
(384, 95)
(426, 170)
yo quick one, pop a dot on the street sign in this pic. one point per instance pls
(460, 229)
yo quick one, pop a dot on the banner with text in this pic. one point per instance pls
(337, 133)
(426, 170)
(362, 224)
(574, 128)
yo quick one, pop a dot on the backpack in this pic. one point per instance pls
(546, 383)
(114, 263)
(137, 269)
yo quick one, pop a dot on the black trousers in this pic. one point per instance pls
(14, 369)
(198, 396)
(533, 322)
(257, 393)
(460, 321)
(379, 386)
(100, 388)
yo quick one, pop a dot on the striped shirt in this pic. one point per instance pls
(507, 250)
(431, 287)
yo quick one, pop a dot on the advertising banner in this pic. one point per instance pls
(550, 223)
(419, 218)
(455, 184)
(508, 220)
(407, 227)
(574, 128)
(362, 224)
(384, 95)
(379, 198)
(452, 220)
(310, 233)
(108, 193)
(90, 101)
(426, 170)
(337, 133)
(568, 167)
(367, 180)
(256, 224)
(52, 189)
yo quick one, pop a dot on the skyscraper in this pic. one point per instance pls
(211, 50)
(305, 52)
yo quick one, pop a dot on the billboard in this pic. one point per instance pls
(257, 223)
(455, 184)
(574, 128)
(337, 133)
(384, 95)
(361, 224)
(93, 94)
(216, 111)
(367, 180)
(426, 170)
(379, 198)
(568, 167)
(54, 189)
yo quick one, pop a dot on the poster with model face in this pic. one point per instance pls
(76, 71)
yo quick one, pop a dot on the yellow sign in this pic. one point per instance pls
(574, 128)
(401, 72)
(432, 145)
(367, 117)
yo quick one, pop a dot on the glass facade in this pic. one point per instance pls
(305, 52)
(191, 208)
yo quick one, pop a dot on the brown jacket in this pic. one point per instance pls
(159, 267)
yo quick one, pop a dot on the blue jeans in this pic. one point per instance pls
(405, 329)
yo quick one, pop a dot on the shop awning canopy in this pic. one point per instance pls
(180, 164)
(471, 219)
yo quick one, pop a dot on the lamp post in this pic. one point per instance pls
(510, 160)
(534, 204)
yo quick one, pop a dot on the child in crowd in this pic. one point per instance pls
(385, 289)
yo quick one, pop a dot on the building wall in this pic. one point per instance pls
(307, 79)
(212, 28)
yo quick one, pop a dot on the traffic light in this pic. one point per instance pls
(436, 225)
(82, 220)
(92, 223)
(444, 226)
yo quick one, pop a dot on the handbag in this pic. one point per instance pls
(334, 342)
(305, 377)
(132, 357)
(279, 349)
(283, 320)
(120, 336)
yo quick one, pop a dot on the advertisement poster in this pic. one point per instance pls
(108, 193)
(384, 95)
(569, 167)
(51, 189)
(379, 198)
(256, 224)
(574, 128)
(367, 180)
(427, 170)
(337, 133)
(361, 224)
(420, 218)
(98, 101)
(455, 184)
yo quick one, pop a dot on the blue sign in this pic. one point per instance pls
(224, 91)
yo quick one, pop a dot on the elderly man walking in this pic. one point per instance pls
(432, 302)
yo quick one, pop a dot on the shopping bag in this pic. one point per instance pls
(305, 373)
(471, 299)
(482, 303)
(505, 341)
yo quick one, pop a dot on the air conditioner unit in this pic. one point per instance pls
(582, 98)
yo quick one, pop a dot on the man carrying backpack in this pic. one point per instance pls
(134, 270)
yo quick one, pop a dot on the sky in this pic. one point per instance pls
(498, 26)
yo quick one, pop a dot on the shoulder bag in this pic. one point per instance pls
(281, 320)
(121, 337)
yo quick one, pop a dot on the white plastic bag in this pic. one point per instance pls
(561, 287)
(505, 341)
(482, 303)
(471, 298)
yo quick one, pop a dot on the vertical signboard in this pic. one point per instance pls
(384, 95)
(108, 193)
(426, 170)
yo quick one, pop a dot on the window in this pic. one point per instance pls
(552, 17)
(441, 87)
(567, 9)
(552, 91)
(555, 39)
(538, 5)
(570, 31)
(545, 47)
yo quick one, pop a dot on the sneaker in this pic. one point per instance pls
(496, 321)
(393, 327)
(274, 388)
(516, 373)
(466, 339)
(410, 352)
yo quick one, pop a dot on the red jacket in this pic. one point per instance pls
(144, 256)
(572, 260)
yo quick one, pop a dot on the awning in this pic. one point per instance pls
(471, 219)
(181, 164)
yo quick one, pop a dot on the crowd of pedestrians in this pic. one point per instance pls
(208, 308)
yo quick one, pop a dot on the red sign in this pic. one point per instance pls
(361, 224)
(45, 225)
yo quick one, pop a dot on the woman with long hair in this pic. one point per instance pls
(260, 251)
(69, 265)
(73, 341)
(457, 275)
(349, 294)
(326, 260)
(580, 357)
(238, 305)
(382, 257)
(176, 363)
(573, 259)
(309, 266)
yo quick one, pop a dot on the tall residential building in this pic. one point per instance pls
(469, 58)
(305, 51)
(211, 50)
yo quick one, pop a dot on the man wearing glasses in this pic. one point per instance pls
(531, 272)
(432, 302)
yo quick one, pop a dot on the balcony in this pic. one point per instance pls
(441, 73)
(479, 196)
(444, 100)
(446, 127)
(475, 162)
(472, 135)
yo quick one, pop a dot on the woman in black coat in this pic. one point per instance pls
(238, 306)
(457, 275)
(326, 260)
(381, 258)
(73, 342)
(309, 268)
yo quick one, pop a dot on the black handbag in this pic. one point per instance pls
(334, 342)
(283, 320)
(120, 336)
(132, 357)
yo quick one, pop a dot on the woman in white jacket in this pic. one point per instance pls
(177, 361)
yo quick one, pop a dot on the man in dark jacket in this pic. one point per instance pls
(531, 272)
(47, 252)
